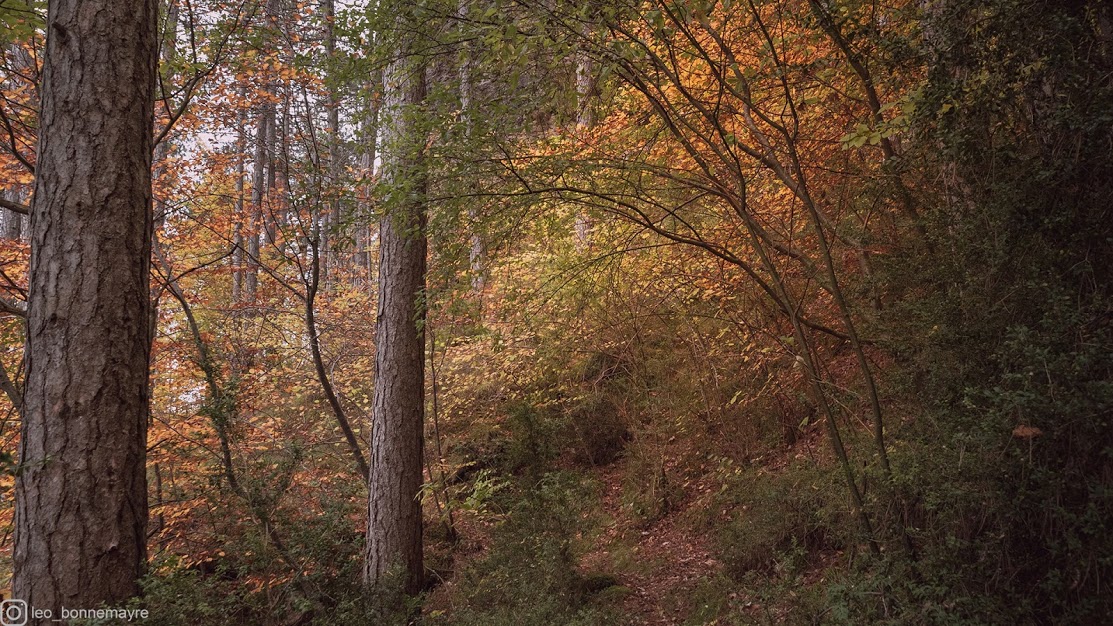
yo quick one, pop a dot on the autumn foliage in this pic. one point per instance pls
(809, 299)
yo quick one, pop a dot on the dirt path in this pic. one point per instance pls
(661, 564)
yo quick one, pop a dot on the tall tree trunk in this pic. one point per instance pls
(238, 235)
(585, 120)
(331, 217)
(394, 545)
(13, 222)
(270, 109)
(477, 252)
(364, 259)
(168, 52)
(255, 224)
(81, 495)
(585, 88)
(271, 201)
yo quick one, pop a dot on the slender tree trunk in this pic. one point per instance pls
(13, 222)
(331, 218)
(477, 252)
(81, 494)
(585, 87)
(258, 182)
(225, 415)
(394, 546)
(271, 201)
(364, 257)
(238, 238)
(585, 120)
(168, 52)
(312, 288)
(270, 149)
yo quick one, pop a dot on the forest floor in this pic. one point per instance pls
(660, 562)
(656, 564)
(646, 548)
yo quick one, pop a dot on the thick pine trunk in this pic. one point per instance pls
(81, 497)
(394, 545)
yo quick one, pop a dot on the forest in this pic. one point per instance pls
(556, 312)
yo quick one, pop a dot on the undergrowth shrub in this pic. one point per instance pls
(594, 430)
(532, 441)
(647, 492)
(778, 521)
(529, 575)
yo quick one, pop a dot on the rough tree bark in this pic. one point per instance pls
(394, 546)
(81, 495)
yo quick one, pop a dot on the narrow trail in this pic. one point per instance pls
(660, 563)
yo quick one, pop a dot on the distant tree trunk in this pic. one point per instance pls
(168, 52)
(364, 259)
(394, 545)
(585, 88)
(270, 148)
(255, 223)
(238, 238)
(81, 494)
(261, 221)
(477, 252)
(331, 217)
(585, 120)
(13, 222)
(271, 205)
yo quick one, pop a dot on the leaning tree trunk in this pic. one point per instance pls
(81, 494)
(398, 407)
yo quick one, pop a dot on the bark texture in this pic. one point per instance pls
(394, 546)
(81, 497)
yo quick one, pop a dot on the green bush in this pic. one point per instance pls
(528, 577)
(778, 520)
(594, 431)
(533, 440)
